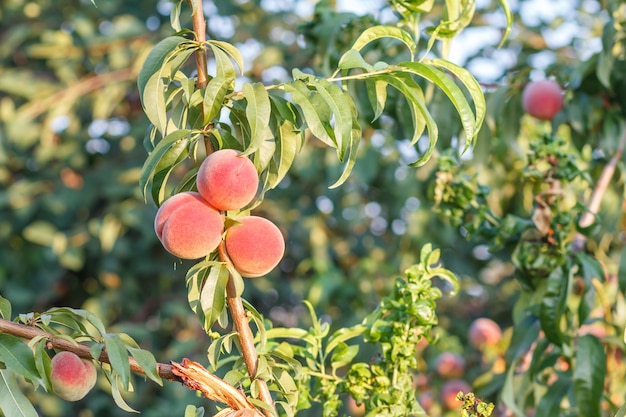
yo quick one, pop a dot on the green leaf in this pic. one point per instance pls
(353, 59)
(589, 374)
(17, 356)
(5, 308)
(154, 158)
(316, 114)
(474, 88)
(378, 32)
(147, 362)
(524, 335)
(355, 138)
(88, 316)
(117, 395)
(258, 110)
(454, 93)
(419, 113)
(340, 105)
(192, 411)
(377, 95)
(12, 401)
(621, 412)
(118, 356)
(622, 271)
(509, 394)
(176, 153)
(155, 60)
(214, 95)
(509, 20)
(342, 335)
(550, 402)
(230, 50)
(343, 355)
(553, 305)
(213, 294)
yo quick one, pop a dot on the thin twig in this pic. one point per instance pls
(81, 349)
(598, 193)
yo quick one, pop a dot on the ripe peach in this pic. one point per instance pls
(449, 391)
(542, 99)
(226, 180)
(255, 246)
(72, 377)
(484, 332)
(188, 226)
(450, 365)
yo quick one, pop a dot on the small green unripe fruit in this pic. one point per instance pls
(542, 99)
(226, 180)
(72, 377)
(254, 246)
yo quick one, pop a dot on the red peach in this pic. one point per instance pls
(226, 180)
(449, 391)
(171, 204)
(192, 231)
(450, 365)
(542, 99)
(255, 246)
(72, 377)
(484, 332)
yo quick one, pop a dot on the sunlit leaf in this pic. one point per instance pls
(213, 294)
(148, 363)
(377, 32)
(317, 115)
(258, 111)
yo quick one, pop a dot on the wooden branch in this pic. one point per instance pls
(199, 28)
(598, 193)
(54, 342)
(244, 334)
(196, 377)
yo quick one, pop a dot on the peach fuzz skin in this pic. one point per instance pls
(226, 180)
(72, 377)
(188, 226)
(542, 99)
(255, 246)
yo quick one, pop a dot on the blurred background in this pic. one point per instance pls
(75, 230)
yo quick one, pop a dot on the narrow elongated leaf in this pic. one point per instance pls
(231, 50)
(353, 146)
(148, 363)
(116, 350)
(258, 110)
(213, 294)
(317, 116)
(509, 394)
(117, 396)
(5, 308)
(214, 95)
(149, 166)
(553, 306)
(525, 333)
(589, 374)
(622, 271)
(474, 88)
(353, 59)
(454, 93)
(377, 95)
(419, 112)
(378, 32)
(16, 355)
(155, 59)
(342, 335)
(174, 155)
(12, 401)
(550, 402)
(509, 20)
(341, 107)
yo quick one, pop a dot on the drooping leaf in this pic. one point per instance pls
(154, 158)
(378, 32)
(155, 60)
(5, 308)
(553, 305)
(258, 111)
(17, 356)
(12, 401)
(230, 50)
(454, 93)
(550, 402)
(174, 155)
(316, 114)
(353, 146)
(377, 95)
(117, 395)
(589, 374)
(118, 356)
(213, 294)
(148, 363)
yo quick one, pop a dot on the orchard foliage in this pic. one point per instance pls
(527, 314)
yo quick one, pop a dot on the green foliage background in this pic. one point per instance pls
(75, 230)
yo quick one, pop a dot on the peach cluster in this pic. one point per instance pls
(191, 224)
